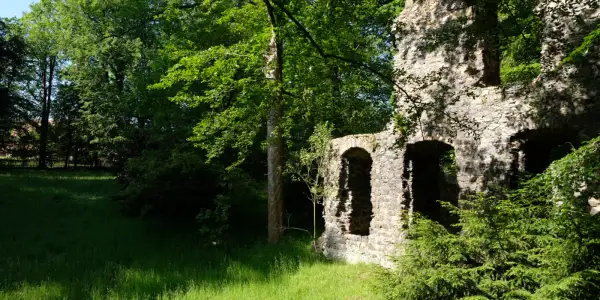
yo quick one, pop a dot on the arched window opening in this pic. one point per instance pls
(430, 176)
(355, 187)
(534, 150)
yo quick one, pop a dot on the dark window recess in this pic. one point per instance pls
(534, 150)
(355, 185)
(430, 177)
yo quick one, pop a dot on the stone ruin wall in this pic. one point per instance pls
(475, 119)
(337, 241)
(451, 78)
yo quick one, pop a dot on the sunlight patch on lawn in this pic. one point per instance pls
(239, 272)
(53, 176)
(320, 281)
(324, 280)
(27, 291)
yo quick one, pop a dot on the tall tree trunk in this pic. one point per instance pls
(76, 158)
(67, 159)
(69, 148)
(42, 156)
(274, 73)
(46, 107)
(96, 161)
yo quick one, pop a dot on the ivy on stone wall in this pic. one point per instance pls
(580, 52)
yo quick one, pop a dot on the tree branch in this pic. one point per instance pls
(412, 100)
(327, 55)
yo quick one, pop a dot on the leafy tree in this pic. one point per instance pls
(309, 83)
(23, 142)
(71, 134)
(310, 167)
(109, 50)
(43, 37)
(13, 54)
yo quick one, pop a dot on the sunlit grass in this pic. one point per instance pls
(63, 238)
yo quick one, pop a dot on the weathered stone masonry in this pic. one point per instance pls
(495, 132)
(338, 240)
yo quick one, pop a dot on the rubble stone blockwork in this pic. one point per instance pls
(338, 240)
(494, 132)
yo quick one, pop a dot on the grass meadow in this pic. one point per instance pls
(62, 237)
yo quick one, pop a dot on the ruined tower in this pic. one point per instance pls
(458, 131)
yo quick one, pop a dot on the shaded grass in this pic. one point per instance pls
(62, 237)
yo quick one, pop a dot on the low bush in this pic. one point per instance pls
(182, 187)
(537, 242)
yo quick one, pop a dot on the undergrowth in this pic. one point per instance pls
(537, 242)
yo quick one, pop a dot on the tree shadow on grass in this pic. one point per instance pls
(63, 235)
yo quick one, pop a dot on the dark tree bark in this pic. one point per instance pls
(69, 148)
(47, 78)
(67, 160)
(42, 153)
(274, 73)
(76, 158)
(96, 161)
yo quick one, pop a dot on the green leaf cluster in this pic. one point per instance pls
(582, 50)
(520, 41)
(226, 76)
(13, 56)
(310, 166)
